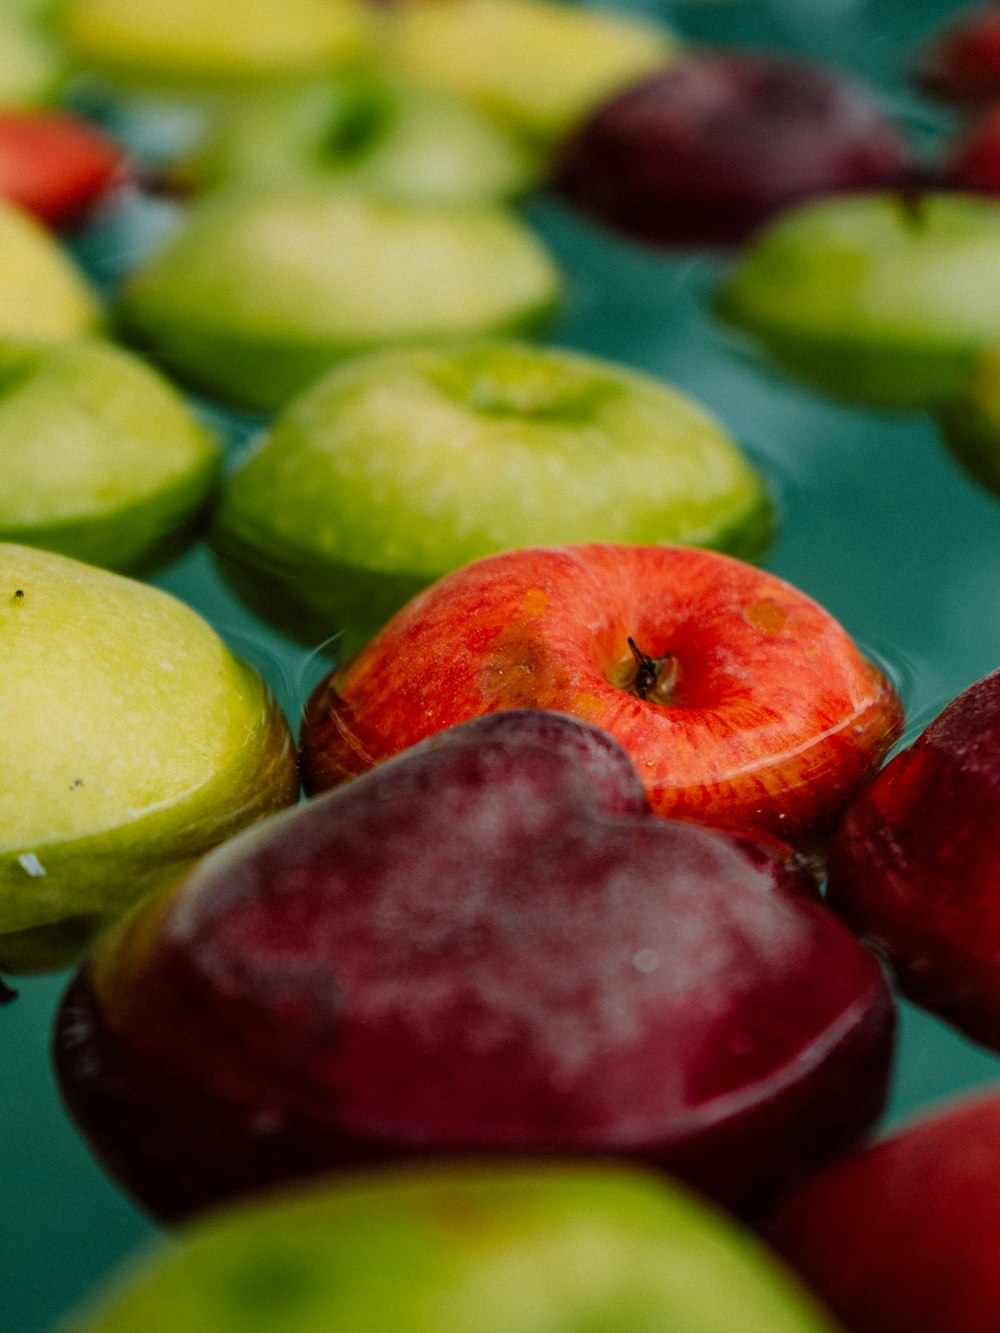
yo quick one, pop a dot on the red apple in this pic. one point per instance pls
(489, 945)
(973, 161)
(702, 152)
(961, 62)
(56, 165)
(903, 1237)
(743, 704)
(915, 864)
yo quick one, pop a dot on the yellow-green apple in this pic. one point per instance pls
(742, 702)
(43, 292)
(970, 421)
(489, 946)
(518, 1251)
(398, 466)
(33, 64)
(883, 298)
(254, 296)
(56, 165)
(103, 459)
(423, 145)
(901, 1238)
(132, 740)
(704, 151)
(914, 865)
(536, 65)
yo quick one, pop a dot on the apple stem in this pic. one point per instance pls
(654, 675)
(912, 197)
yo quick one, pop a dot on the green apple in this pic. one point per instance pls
(43, 294)
(214, 43)
(103, 459)
(32, 64)
(254, 296)
(542, 1250)
(407, 143)
(537, 65)
(403, 464)
(131, 739)
(880, 298)
(970, 422)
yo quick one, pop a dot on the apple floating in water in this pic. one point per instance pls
(536, 65)
(398, 466)
(57, 166)
(901, 1238)
(742, 702)
(132, 741)
(420, 145)
(961, 61)
(255, 296)
(704, 151)
(491, 946)
(103, 459)
(518, 1251)
(882, 298)
(915, 865)
(43, 293)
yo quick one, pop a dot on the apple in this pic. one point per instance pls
(883, 298)
(536, 65)
(970, 422)
(961, 61)
(488, 946)
(972, 160)
(33, 65)
(180, 44)
(103, 459)
(133, 740)
(703, 151)
(43, 292)
(527, 1250)
(742, 702)
(914, 864)
(902, 1237)
(417, 145)
(254, 296)
(56, 165)
(400, 465)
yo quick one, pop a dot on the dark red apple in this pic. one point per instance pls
(961, 62)
(56, 165)
(487, 946)
(973, 161)
(743, 704)
(903, 1237)
(702, 152)
(915, 864)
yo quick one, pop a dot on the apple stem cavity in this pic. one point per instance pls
(655, 677)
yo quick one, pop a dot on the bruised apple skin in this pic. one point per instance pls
(902, 1237)
(489, 946)
(705, 150)
(915, 864)
(743, 703)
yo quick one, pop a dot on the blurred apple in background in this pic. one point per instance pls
(57, 166)
(705, 150)
(401, 465)
(915, 865)
(43, 293)
(960, 61)
(882, 298)
(743, 704)
(902, 1238)
(254, 296)
(525, 1251)
(970, 422)
(103, 458)
(487, 946)
(33, 66)
(131, 741)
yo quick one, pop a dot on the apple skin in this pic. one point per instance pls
(43, 293)
(970, 422)
(255, 296)
(397, 467)
(961, 62)
(133, 741)
(487, 946)
(881, 299)
(914, 865)
(704, 151)
(57, 166)
(774, 723)
(103, 459)
(33, 65)
(902, 1237)
(525, 1250)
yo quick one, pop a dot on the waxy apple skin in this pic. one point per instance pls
(915, 864)
(902, 1237)
(774, 721)
(488, 946)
